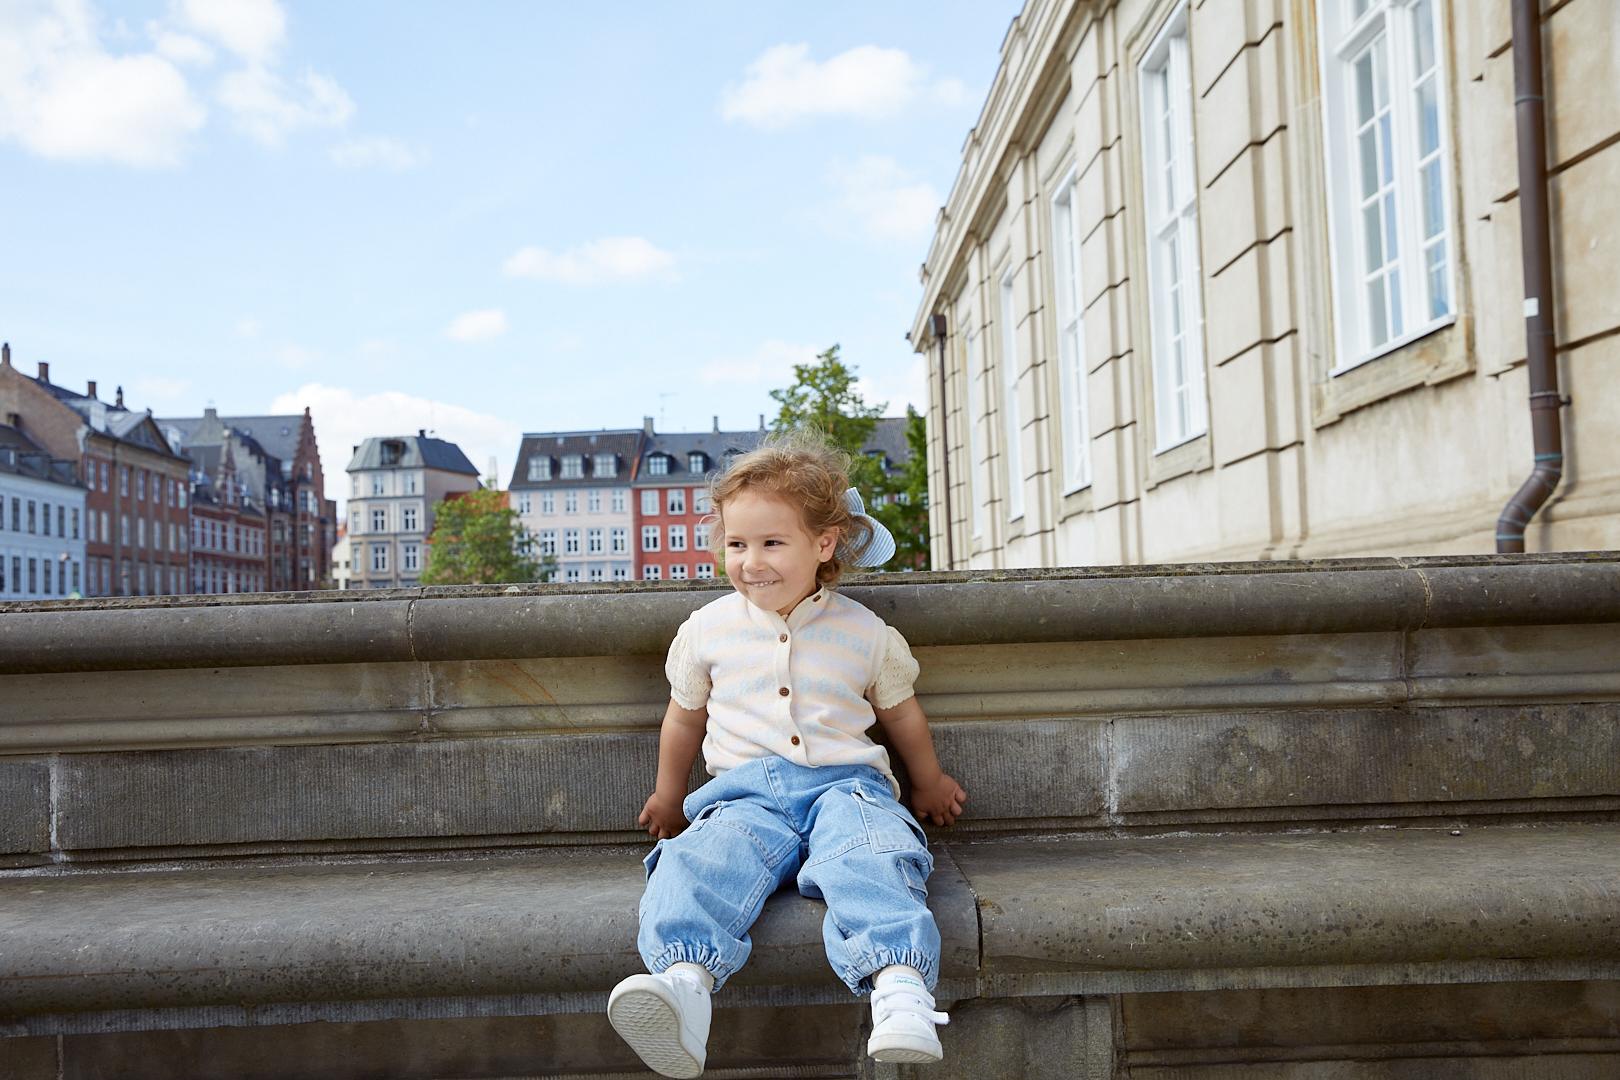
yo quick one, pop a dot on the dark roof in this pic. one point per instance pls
(623, 443)
(122, 424)
(418, 452)
(889, 436)
(21, 456)
(712, 444)
(277, 434)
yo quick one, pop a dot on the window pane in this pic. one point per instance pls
(1439, 287)
(1423, 36)
(1428, 104)
(1373, 230)
(1397, 324)
(1364, 88)
(1434, 221)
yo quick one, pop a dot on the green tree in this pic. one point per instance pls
(475, 542)
(824, 397)
(906, 513)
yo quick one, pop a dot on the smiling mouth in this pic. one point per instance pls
(760, 584)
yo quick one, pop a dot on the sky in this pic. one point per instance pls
(477, 218)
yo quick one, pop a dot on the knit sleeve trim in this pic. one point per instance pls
(688, 676)
(897, 671)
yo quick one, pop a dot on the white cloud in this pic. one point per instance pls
(771, 363)
(784, 85)
(882, 199)
(63, 96)
(269, 107)
(248, 327)
(477, 325)
(902, 385)
(376, 151)
(253, 29)
(345, 418)
(612, 258)
(181, 48)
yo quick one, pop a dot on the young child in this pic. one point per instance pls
(778, 683)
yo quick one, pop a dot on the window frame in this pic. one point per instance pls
(1074, 427)
(1343, 40)
(1170, 219)
(1011, 428)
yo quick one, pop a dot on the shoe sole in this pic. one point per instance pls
(904, 1051)
(653, 1029)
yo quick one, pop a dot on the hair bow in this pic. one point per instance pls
(879, 546)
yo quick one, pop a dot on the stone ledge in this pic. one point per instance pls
(1212, 912)
(1116, 603)
(539, 935)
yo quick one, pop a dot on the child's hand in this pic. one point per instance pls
(940, 801)
(662, 817)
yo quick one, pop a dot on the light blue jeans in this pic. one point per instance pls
(758, 825)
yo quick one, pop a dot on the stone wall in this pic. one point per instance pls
(1279, 820)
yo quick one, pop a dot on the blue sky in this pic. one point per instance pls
(483, 218)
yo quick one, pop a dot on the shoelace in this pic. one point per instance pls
(893, 999)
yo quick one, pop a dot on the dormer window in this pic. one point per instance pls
(658, 465)
(540, 467)
(573, 466)
(697, 462)
(605, 465)
(392, 451)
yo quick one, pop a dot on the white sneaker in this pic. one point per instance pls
(665, 1019)
(903, 1020)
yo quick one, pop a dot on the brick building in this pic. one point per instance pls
(135, 482)
(671, 500)
(229, 548)
(279, 459)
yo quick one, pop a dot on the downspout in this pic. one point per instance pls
(1546, 427)
(939, 324)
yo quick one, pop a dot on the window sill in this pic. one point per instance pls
(1395, 345)
(1435, 355)
(1076, 501)
(1190, 456)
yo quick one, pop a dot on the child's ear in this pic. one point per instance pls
(827, 544)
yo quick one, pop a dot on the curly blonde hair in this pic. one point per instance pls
(802, 468)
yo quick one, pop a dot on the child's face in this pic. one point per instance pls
(771, 558)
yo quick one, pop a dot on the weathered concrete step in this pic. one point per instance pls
(1365, 908)
(294, 944)
(545, 934)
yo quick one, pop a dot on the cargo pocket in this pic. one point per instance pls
(889, 827)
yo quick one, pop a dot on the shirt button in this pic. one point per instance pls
(783, 691)
(782, 637)
(795, 740)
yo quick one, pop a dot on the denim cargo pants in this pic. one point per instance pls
(836, 827)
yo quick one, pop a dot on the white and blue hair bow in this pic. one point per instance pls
(879, 545)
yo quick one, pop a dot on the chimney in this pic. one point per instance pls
(14, 419)
(118, 403)
(44, 372)
(421, 433)
(5, 354)
(646, 425)
(762, 421)
(91, 392)
(717, 425)
(210, 413)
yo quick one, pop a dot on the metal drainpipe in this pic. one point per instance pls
(945, 442)
(1546, 427)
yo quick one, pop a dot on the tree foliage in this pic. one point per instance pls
(823, 396)
(475, 542)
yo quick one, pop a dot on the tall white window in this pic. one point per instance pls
(593, 541)
(621, 573)
(548, 541)
(676, 498)
(604, 465)
(1384, 93)
(573, 466)
(978, 467)
(540, 468)
(700, 536)
(652, 573)
(570, 541)
(570, 502)
(658, 465)
(1171, 199)
(677, 572)
(703, 570)
(594, 573)
(379, 519)
(618, 500)
(677, 538)
(701, 502)
(593, 501)
(525, 503)
(649, 501)
(649, 538)
(408, 523)
(548, 502)
(379, 558)
(620, 540)
(1075, 427)
(411, 555)
(1011, 429)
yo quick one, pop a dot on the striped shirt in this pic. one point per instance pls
(793, 688)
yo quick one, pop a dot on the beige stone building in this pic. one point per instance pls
(1237, 279)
